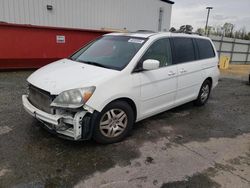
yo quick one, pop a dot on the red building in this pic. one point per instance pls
(39, 32)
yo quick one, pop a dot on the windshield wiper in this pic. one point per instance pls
(93, 63)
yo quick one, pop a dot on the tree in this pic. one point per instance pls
(210, 30)
(243, 32)
(247, 37)
(201, 31)
(182, 29)
(228, 29)
(186, 29)
(172, 29)
(219, 30)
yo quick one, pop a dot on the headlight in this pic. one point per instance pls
(74, 98)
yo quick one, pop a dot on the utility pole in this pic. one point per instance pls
(208, 12)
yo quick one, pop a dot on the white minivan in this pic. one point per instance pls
(119, 79)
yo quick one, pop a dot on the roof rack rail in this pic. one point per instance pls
(144, 31)
(187, 32)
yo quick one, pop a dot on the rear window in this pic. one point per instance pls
(184, 49)
(205, 48)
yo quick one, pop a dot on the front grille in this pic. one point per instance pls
(40, 99)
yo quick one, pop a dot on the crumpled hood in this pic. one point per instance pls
(66, 74)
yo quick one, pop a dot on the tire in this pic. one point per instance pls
(114, 123)
(204, 93)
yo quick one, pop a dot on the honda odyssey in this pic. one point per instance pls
(118, 79)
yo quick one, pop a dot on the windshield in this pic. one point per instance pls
(113, 52)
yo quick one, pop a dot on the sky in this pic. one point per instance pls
(193, 12)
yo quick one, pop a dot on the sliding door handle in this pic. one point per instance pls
(171, 73)
(183, 71)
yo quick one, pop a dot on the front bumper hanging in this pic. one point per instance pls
(73, 127)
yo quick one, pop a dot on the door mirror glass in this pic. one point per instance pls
(151, 64)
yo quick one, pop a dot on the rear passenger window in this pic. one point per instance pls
(184, 49)
(205, 48)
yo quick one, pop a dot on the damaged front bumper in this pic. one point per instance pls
(76, 126)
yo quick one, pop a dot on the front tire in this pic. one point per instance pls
(204, 93)
(114, 123)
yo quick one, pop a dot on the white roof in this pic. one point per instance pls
(155, 35)
(141, 35)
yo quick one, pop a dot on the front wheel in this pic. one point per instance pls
(204, 93)
(114, 123)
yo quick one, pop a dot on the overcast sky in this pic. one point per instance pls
(193, 12)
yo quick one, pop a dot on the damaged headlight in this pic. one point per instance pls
(74, 98)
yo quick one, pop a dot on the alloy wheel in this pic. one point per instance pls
(113, 123)
(205, 92)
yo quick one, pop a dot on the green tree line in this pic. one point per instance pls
(227, 30)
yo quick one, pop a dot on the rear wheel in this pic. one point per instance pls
(204, 93)
(114, 123)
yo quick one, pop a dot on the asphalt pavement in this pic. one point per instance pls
(188, 146)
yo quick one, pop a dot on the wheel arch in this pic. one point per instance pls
(127, 100)
(210, 80)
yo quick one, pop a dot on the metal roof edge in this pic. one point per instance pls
(167, 1)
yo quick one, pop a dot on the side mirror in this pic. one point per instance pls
(151, 64)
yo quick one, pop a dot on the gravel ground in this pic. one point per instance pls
(185, 147)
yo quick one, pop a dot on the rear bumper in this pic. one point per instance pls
(215, 78)
(80, 122)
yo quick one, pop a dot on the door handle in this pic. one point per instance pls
(183, 71)
(171, 73)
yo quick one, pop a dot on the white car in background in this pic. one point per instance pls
(119, 79)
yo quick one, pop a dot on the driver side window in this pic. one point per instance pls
(160, 50)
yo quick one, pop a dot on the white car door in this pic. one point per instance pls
(158, 87)
(188, 69)
(189, 81)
